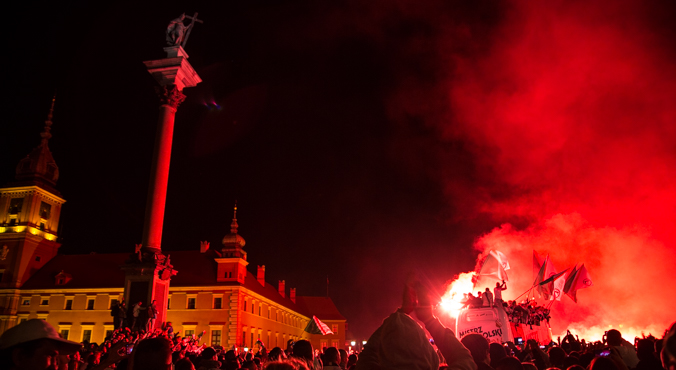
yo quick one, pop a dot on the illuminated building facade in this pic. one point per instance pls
(213, 293)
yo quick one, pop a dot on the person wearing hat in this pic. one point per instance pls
(33, 345)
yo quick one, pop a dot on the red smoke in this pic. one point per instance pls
(571, 116)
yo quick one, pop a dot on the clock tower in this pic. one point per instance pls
(30, 207)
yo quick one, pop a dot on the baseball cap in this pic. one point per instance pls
(35, 329)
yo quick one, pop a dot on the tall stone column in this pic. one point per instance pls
(148, 271)
(170, 97)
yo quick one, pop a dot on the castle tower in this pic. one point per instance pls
(30, 208)
(232, 263)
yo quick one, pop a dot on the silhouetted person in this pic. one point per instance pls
(497, 352)
(33, 345)
(624, 348)
(153, 354)
(646, 356)
(478, 346)
(497, 292)
(509, 363)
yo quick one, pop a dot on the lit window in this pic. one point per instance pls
(189, 333)
(191, 303)
(64, 333)
(215, 337)
(334, 328)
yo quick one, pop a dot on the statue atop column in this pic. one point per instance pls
(178, 32)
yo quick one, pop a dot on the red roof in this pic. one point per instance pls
(322, 307)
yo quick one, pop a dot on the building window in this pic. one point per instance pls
(69, 304)
(260, 308)
(189, 333)
(26, 302)
(64, 333)
(37, 258)
(218, 303)
(215, 337)
(44, 302)
(109, 334)
(269, 309)
(168, 303)
(22, 320)
(90, 304)
(191, 303)
(252, 341)
(113, 302)
(334, 328)
(86, 335)
(244, 309)
(244, 338)
(15, 206)
(252, 307)
(322, 345)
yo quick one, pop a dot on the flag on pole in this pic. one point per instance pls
(316, 326)
(537, 264)
(559, 283)
(553, 278)
(582, 280)
(502, 259)
(493, 267)
(569, 280)
(540, 278)
(550, 271)
(555, 285)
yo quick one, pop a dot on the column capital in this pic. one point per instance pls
(170, 95)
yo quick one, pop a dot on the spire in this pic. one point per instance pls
(46, 134)
(234, 225)
(39, 167)
(234, 240)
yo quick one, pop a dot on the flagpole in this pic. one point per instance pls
(527, 291)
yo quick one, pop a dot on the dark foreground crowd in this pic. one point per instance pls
(399, 343)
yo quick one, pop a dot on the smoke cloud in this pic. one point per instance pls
(570, 116)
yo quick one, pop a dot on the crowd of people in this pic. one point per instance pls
(527, 312)
(401, 342)
(136, 317)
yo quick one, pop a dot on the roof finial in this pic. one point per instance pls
(234, 225)
(45, 134)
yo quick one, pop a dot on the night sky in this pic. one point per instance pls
(320, 118)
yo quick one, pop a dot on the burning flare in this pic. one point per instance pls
(451, 301)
